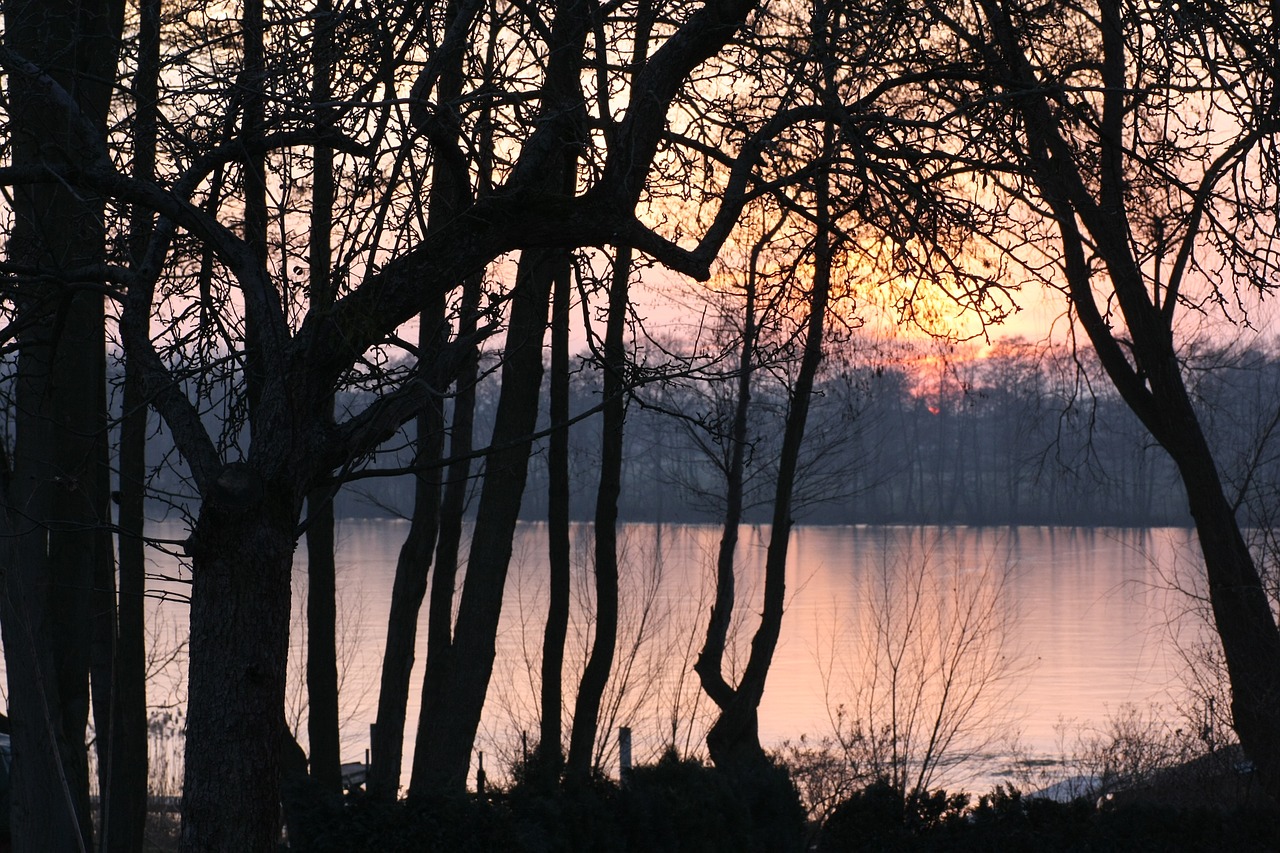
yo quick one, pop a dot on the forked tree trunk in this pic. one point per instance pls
(734, 739)
(456, 681)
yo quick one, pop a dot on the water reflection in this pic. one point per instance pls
(1086, 613)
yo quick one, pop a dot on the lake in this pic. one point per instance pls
(1040, 630)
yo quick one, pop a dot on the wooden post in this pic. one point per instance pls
(624, 753)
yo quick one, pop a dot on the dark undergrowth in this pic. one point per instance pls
(672, 806)
(682, 805)
(878, 819)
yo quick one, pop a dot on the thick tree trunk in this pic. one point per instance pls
(46, 602)
(586, 713)
(242, 555)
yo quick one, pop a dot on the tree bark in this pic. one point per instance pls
(242, 557)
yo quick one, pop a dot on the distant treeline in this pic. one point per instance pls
(1023, 435)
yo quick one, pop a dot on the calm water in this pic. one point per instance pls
(1065, 626)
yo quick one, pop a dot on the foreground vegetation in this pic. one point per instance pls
(682, 804)
(1133, 783)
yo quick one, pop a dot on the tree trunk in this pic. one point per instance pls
(322, 644)
(102, 652)
(456, 681)
(457, 678)
(550, 749)
(407, 592)
(322, 606)
(56, 499)
(710, 663)
(46, 603)
(595, 677)
(123, 791)
(450, 192)
(734, 740)
(242, 556)
(1147, 372)
(1245, 623)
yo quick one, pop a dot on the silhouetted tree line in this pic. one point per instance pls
(1014, 437)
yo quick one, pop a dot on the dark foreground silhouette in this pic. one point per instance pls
(682, 805)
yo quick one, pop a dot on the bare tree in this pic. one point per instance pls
(252, 484)
(915, 684)
(1149, 161)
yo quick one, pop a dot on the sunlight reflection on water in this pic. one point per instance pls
(1088, 612)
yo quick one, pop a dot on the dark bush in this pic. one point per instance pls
(677, 805)
(455, 823)
(680, 804)
(879, 818)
